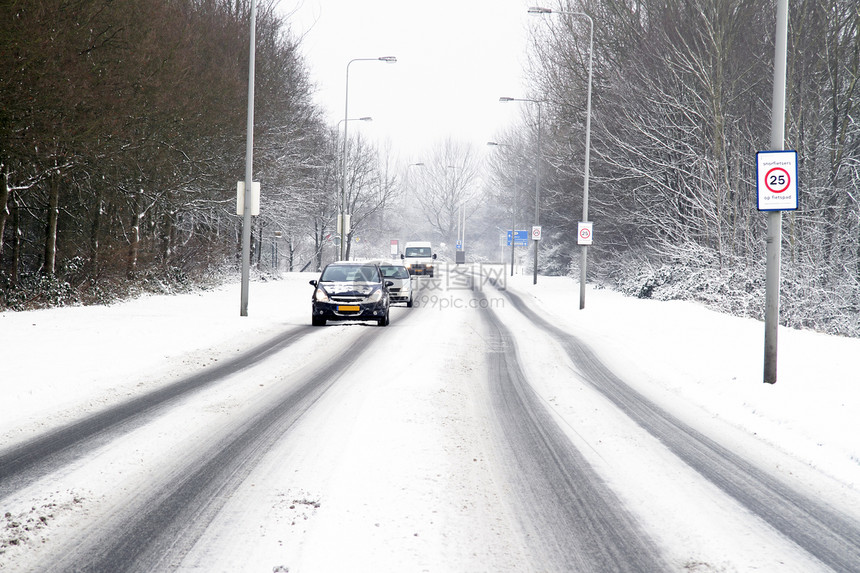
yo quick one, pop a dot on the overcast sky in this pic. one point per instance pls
(455, 58)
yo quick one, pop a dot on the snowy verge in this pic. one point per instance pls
(715, 362)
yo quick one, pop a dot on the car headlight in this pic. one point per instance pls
(375, 296)
(321, 296)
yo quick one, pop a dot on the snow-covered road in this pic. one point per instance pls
(475, 433)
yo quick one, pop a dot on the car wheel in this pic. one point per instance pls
(384, 320)
(409, 303)
(317, 321)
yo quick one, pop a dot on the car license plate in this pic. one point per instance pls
(348, 308)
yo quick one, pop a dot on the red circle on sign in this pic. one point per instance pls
(777, 180)
(585, 233)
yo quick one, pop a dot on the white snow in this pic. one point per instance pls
(392, 463)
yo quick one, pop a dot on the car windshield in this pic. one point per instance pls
(394, 272)
(418, 251)
(350, 273)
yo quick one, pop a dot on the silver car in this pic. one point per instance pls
(401, 289)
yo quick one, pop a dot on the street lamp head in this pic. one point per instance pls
(539, 10)
(389, 59)
(365, 118)
(537, 101)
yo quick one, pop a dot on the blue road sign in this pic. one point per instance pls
(521, 239)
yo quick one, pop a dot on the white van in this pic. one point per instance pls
(418, 257)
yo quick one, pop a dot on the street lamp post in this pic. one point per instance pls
(513, 209)
(389, 59)
(249, 170)
(537, 173)
(341, 223)
(584, 257)
(460, 243)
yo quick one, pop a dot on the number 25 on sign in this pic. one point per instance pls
(776, 180)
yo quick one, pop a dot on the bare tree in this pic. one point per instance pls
(118, 133)
(448, 189)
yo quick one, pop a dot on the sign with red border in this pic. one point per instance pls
(776, 180)
(585, 233)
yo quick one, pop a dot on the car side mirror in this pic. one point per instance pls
(313, 283)
(401, 256)
(434, 255)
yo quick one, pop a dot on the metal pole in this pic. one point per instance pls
(774, 218)
(537, 172)
(390, 59)
(584, 257)
(513, 227)
(249, 170)
(463, 240)
(342, 228)
(537, 190)
(459, 218)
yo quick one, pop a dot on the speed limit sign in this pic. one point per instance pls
(536, 233)
(585, 233)
(776, 178)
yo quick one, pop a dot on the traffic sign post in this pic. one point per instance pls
(774, 217)
(536, 239)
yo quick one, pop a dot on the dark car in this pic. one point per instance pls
(350, 291)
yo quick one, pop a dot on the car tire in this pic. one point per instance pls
(317, 321)
(409, 303)
(384, 320)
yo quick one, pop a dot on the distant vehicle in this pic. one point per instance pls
(418, 257)
(401, 289)
(350, 290)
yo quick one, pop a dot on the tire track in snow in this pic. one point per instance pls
(824, 532)
(574, 521)
(154, 533)
(44, 454)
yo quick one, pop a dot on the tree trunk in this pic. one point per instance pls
(4, 202)
(49, 267)
(256, 243)
(16, 242)
(319, 237)
(95, 229)
(348, 239)
(292, 251)
(134, 243)
(168, 236)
